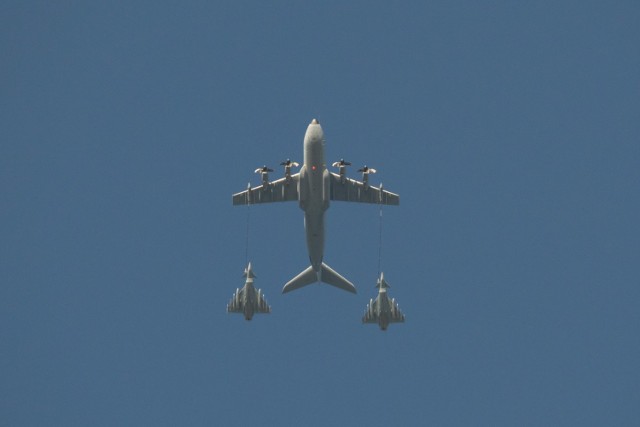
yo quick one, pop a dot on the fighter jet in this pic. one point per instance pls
(248, 300)
(382, 310)
(314, 187)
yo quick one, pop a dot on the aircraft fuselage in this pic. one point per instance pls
(314, 192)
(249, 300)
(383, 310)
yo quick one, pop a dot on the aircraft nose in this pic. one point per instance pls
(315, 122)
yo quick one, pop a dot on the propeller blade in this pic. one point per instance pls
(341, 163)
(367, 169)
(288, 162)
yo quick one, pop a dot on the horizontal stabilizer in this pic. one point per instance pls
(327, 275)
(305, 278)
(331, 277)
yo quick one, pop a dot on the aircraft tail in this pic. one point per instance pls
(333, 278)
(326, 274)
(305, 278)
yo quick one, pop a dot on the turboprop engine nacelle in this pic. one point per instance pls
(288, 164)
(264, 175)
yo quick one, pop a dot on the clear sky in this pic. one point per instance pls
(511, 131)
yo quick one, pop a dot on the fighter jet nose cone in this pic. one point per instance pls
(315, 122)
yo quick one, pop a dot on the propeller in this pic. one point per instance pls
(290, 163)
(341, 163)
(263, 169)
(366, 169)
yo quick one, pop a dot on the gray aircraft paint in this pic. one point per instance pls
(382, 310)
(314, 184)
(314, 187)
(248, 300)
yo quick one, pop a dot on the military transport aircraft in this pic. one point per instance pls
(382, 310)
(248, 300)
(313, 188)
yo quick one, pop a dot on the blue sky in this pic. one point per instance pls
(510, 130)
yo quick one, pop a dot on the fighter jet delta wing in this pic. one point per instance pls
(371, 312)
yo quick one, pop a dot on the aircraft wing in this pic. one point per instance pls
(393, 311)
(371, 312)
(236, 305)
(260, 305)
(396, 315)
(281, 190)
(345, 189)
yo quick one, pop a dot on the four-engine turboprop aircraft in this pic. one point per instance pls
(382, 310)
(248, 300)
(314, 187)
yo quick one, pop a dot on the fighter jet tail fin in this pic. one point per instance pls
(331, 277)
(305, 278)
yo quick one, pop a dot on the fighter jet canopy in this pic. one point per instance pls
(248, 272)
(381, 284)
